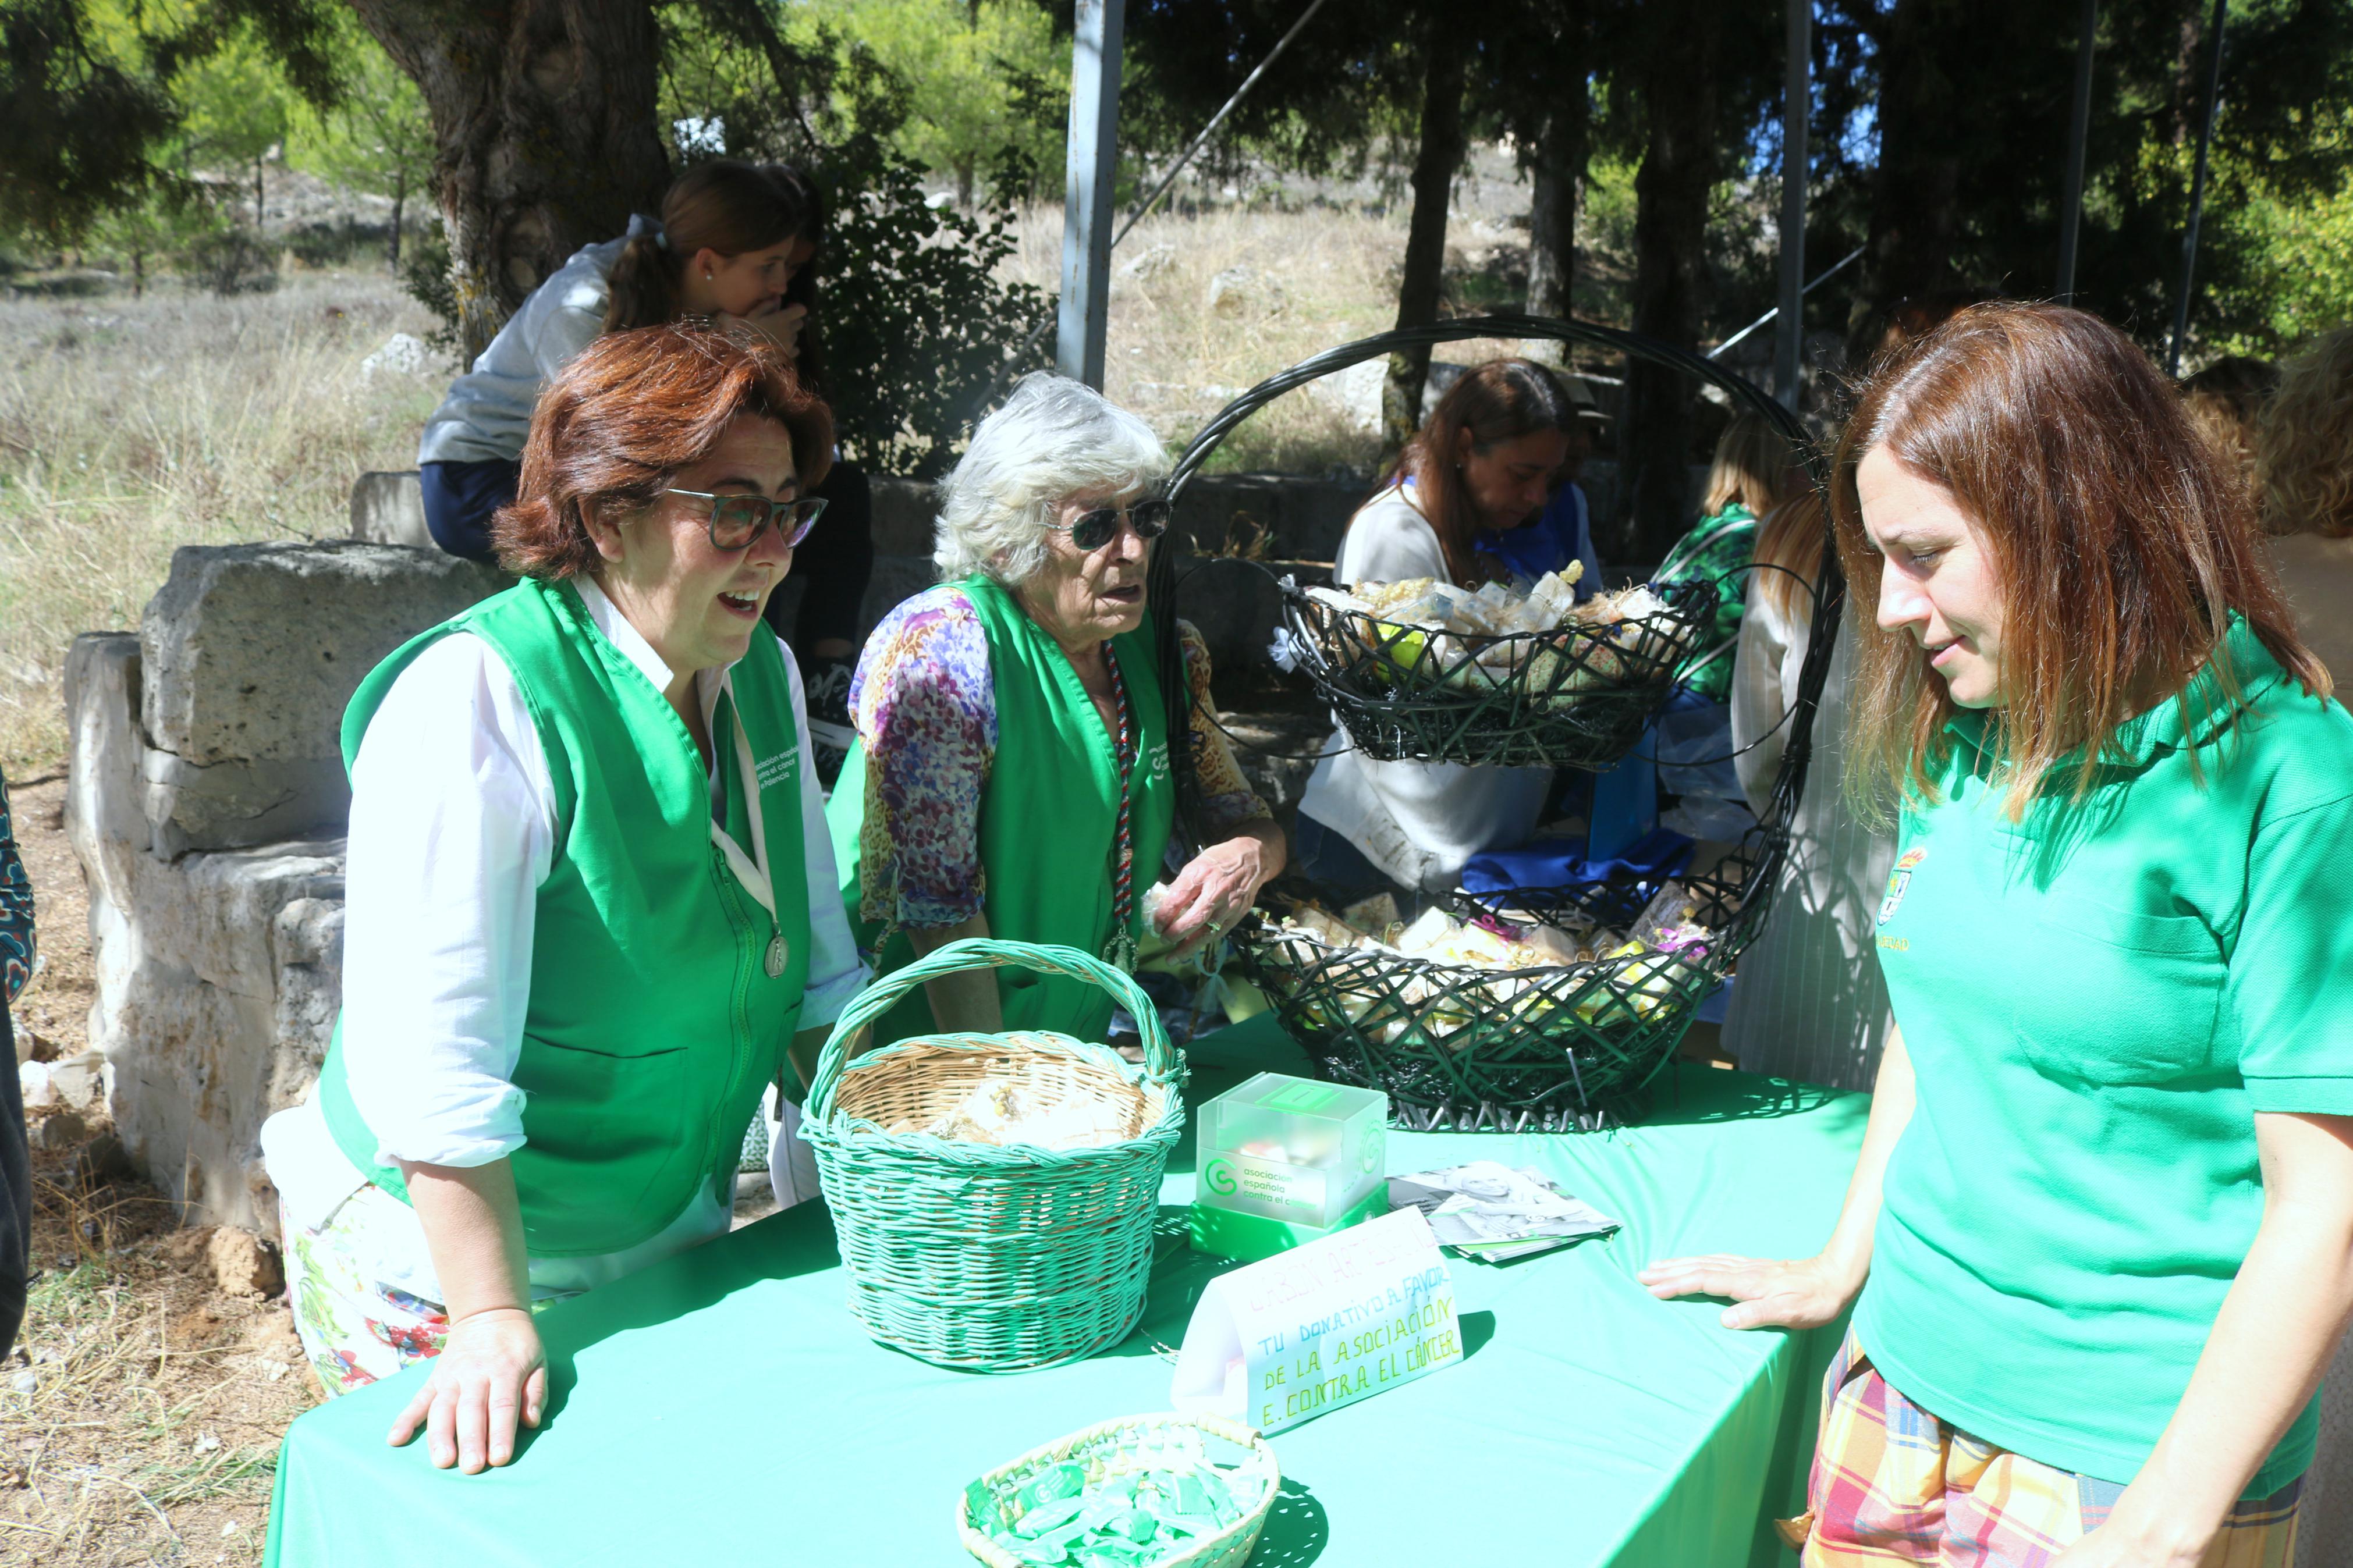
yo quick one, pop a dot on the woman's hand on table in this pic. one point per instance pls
(1215, 889)
(1766, 1292)
(491, 1370)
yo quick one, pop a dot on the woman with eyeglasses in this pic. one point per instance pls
(1013, 775)
(591, 900)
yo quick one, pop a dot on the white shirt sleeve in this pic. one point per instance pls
(1388, 541)
(835, 974)
(452, 830)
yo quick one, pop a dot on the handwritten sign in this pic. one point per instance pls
(1305, 1332)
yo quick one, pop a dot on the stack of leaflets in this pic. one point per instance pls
(1493, 1212)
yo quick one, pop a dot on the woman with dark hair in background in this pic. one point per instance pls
(1482, 466)
(2097, 1240)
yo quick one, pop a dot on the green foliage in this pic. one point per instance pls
(105, 103)
(971, 78)
(377, 138)
(919, 333)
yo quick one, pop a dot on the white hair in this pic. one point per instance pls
(1053, 439)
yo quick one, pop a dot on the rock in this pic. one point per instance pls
(27, 1382)
(101, 1162)
(403, 354)
(58, 1132)
(242, 1264)
(1150, 262)
(389, 509)
(1232, 290)
(248, 654)
(78, 1078)
(33, 1081)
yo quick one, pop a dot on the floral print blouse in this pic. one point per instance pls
(925, 707)
(15, 910)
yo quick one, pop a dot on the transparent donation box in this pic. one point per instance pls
(1285, 1160)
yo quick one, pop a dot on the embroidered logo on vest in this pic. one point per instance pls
(773, 771)
(1160, 761)
(1898, 881)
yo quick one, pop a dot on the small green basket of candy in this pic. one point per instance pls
(1142, 1491)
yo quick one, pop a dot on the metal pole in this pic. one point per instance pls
(2079, 132)
(2197, 195)
(1216, 120)
(1833, 270)
(1797, 98)
(1087, 190)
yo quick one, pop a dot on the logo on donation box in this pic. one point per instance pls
(1305, 1332)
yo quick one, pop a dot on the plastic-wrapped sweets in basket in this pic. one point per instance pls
(1498, 675)
(1544, 1020)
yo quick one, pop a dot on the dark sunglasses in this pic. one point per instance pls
(734, 522)
(1093, 530)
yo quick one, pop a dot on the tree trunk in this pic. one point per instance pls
(1681, 82)
(256, 196)
(1440, 156)
(399, 201)
(544, 133)
(1916, 195)
(1555, 175)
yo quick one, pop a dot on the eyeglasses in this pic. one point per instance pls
(734, 522)
(1093, 530)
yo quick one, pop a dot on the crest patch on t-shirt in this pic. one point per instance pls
(1898, 881)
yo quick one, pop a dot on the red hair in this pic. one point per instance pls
(2123, 542)
(626, 416)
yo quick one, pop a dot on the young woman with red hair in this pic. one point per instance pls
(590, 898)
(2099, 1245)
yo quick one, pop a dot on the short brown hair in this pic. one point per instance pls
(630, 411)
(2122, 542)
(2304, 442)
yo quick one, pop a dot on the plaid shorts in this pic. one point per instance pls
(1892, 1483)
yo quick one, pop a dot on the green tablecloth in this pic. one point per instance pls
(723, 1408)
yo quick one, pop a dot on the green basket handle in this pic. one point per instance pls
(1160, 1061)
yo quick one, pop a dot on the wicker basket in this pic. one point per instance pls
(1576, 696)
(1130, 1444)
(988, 1257)
(1538, 1049)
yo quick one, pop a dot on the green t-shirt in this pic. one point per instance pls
(1715, 552)
(2096, 1000)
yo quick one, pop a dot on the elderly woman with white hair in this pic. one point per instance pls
(1014, 775)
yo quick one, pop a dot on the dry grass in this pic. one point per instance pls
(1202, 308)
(143, 1411)
(129, 426)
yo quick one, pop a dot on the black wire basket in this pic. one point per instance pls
(1554, 1047)
(1544, 1048)
(1574, 697)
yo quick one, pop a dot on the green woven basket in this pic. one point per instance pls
(977, 1255)
(1123, 1446)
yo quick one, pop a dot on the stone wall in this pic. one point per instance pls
(207, 803)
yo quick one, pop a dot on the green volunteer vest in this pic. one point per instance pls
(1048, 819)
(654, 1022)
